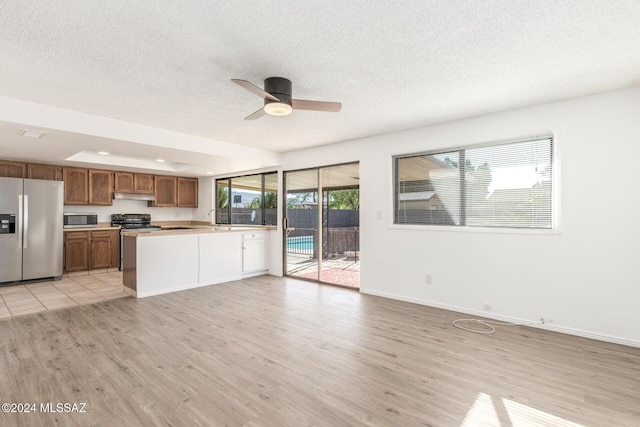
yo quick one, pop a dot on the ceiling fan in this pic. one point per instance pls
(278, 101)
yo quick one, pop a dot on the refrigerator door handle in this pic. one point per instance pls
(26, 221)
(19, 233)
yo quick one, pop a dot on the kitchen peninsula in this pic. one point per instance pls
(176, 259)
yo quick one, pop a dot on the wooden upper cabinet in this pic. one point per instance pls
(188, 192)
(123, 181)
(128, 182)
(100, 187)
(87, 186)
(165, 191)
(12, 169)
(38, 171)
(143, 183)
(76, 186)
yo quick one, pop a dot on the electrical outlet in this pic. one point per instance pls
(427, 279)
(379, 214)
(486, 306)
(177, 214)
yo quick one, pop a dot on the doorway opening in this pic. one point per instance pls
(322, 224)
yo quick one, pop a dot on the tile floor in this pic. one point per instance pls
(16, 300)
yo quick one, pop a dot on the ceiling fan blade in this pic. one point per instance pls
(302, 104)
(256, 115)
(255, 89)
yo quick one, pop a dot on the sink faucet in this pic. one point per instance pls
(216, 218)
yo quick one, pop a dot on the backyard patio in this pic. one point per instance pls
(343, 271)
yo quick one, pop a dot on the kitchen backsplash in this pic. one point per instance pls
(135, 206)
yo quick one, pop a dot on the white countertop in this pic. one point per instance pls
(99, 228)
(195, 229)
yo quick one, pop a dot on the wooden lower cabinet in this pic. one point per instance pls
(115, 248)
(100, 250)
(90, 250)
(76, 251)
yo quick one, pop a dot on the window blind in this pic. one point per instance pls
(493, 185)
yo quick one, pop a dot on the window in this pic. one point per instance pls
(499, 185)
(249, 199)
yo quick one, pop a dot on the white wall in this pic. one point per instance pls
(137, 207)
(205, 200)
(581, 278)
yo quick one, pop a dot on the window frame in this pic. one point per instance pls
(463, 227)
(228, 210)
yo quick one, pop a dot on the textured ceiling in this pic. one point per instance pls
(393, 65)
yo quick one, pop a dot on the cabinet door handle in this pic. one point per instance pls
(25, 222)
(20, 213)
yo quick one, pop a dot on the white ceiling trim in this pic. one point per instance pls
(45, 116)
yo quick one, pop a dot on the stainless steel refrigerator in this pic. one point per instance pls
(31, 222)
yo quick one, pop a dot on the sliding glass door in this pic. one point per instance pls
(322, 224)
(301, 224)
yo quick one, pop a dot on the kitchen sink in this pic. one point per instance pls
(205, 227)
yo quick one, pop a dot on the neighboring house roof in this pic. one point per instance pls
(416, 195)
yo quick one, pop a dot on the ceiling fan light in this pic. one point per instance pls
(278, 109)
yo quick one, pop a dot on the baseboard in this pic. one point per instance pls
(254, 273)
(169, 290)
(531, 323)
(185, 287)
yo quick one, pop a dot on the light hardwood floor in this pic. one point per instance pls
(270, 351)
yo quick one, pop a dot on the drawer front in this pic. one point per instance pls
(100, 234)
(76, 235)
(252, 236)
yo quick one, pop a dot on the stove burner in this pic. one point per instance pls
(133, 222)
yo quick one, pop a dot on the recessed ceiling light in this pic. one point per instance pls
(160, 160)
(103, 153)
(114, 159)
(31, 133)
(209, 173)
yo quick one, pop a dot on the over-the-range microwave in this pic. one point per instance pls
(80, 220)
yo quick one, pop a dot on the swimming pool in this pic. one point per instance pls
(300, 244)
